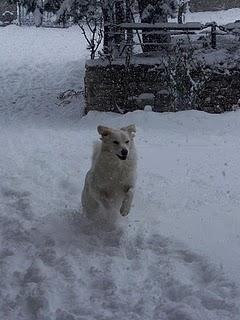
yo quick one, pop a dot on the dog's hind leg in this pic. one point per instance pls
(127, 202)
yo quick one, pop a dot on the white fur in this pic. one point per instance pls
(109, 184)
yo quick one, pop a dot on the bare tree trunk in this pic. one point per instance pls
(129, 15)
(119, 18)
(19, 13)
(106, 29)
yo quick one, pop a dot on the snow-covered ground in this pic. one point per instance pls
(220, 17)
(36, 65)
(175, 257)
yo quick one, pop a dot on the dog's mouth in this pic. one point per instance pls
(122, 157)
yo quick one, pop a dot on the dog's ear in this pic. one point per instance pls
(131, 129)
(103, 131)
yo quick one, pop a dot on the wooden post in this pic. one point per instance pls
(214, 35)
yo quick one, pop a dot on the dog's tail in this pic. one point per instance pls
(96, 151)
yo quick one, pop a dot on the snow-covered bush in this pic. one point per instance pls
(185, 76)
(156, 12)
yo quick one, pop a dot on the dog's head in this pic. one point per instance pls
(118, 141)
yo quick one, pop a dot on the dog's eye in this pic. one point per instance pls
(115, 142)
(127, 141)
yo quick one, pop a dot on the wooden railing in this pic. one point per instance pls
(172, 29)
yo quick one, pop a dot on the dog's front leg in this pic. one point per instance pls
(104, 199)
(127, 201)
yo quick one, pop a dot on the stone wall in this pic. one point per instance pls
(111, 88)
(118, 88)
(221, 92)
(210, 5)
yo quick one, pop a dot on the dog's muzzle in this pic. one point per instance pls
(124, 153)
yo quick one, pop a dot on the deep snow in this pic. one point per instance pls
(36, 65)
(175, 257)
(220, 17)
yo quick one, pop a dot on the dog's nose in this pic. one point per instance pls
(124, 152)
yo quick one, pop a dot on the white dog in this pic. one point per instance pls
(109, 184)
